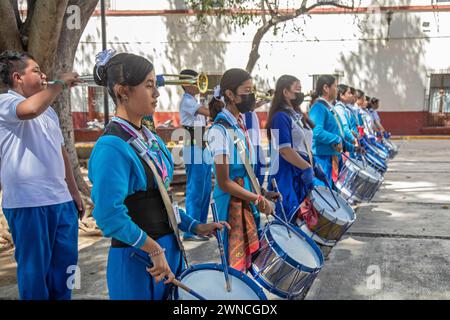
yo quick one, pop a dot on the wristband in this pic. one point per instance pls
(57, 81)
(156, 252)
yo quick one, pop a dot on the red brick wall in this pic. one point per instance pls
(404, 123)
(399, 123)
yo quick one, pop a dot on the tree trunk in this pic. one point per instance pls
(254, 52)
(65, 57)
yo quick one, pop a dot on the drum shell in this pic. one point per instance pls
(353, 184)
(284, 278)
(327, 229)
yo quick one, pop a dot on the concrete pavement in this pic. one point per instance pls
(399, 246)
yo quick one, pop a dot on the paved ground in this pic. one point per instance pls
(399, 247)
(403, 236)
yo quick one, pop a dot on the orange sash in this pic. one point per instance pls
(243, 237)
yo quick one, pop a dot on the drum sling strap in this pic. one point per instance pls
(164, 193)
(244, 158)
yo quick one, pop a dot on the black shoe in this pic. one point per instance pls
(195, 238)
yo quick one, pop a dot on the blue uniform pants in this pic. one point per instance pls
(46, 240)
(198, 186)
(128, 278)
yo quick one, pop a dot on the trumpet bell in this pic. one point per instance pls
(200, 81)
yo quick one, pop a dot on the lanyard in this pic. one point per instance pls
(153, 151)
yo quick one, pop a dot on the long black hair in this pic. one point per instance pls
(323, 80)
(231, 80)
(12, 61)
(279, 101)
(342, 89)
(126, 69)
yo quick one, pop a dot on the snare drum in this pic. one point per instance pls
(376, 163)
(393, 149)
(376, 151)
(286, 265)
(322, 219)
(357, 183)
(208, 280)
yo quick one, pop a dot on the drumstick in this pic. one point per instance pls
(221, 249)
(179, 284)
(275, 188)
(323, 198)
(329, 187)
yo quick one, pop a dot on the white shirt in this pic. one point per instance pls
(32, 171)
(188, 112)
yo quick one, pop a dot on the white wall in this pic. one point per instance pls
(394, 70)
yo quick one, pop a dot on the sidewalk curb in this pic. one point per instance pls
(420, 137)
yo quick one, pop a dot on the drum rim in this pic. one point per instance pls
(325, 212)
(234, 272)
(380, 152)
(361, 169)
(262, 282)
(280, 252)
(378, 161)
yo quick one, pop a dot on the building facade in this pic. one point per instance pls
(393, 50)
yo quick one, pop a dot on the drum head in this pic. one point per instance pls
(372, 173)
(208, 280)
(343, 214)
(295, 247)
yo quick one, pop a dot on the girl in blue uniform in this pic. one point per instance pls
(290, 134)
(328, 136)
(236, 200)
(128, 204)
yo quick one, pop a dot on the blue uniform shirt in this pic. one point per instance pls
(116, 172)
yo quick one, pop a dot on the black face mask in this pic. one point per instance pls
(247, 102)
(298, 100)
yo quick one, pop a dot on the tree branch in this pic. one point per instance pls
(10, 36)
(327, 3)
(276, 19)
(25, 27)
(45, 31)
(15, 6)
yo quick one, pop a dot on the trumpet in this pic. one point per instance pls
(264, 95)
(201, 81)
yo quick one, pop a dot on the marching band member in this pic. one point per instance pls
(251, 122)
(290, 134)
(350, 106)
(40, 195)
(236, 200)
(328, 141)
(130, 169)
(195, 155)
(345, 97)
(375, 103)
(359, 104)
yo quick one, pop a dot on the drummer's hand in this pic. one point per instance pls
(207, 229)
(272, 195)
(266, 206)
(360, 150)
(338, 147)
(161, 269)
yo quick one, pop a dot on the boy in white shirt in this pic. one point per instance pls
(40, 196)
